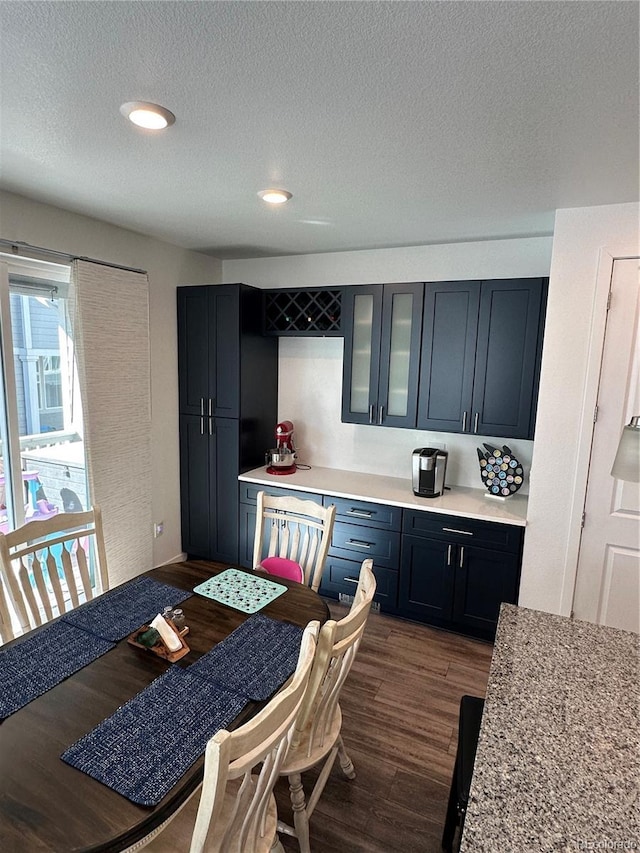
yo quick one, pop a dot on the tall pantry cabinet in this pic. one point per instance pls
(228, 393)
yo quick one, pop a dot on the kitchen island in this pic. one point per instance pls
(558, 760)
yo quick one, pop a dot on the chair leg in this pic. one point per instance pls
(300, 817)
(345, 762)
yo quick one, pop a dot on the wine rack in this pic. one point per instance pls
(303, 312)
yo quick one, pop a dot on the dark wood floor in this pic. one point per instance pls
(400, 717)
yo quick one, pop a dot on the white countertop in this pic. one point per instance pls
(395, 491)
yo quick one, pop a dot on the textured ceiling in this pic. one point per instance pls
(392, 123)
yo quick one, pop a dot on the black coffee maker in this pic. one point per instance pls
(429, 466)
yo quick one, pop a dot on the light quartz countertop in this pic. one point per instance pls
(558, 760)
(395, 491)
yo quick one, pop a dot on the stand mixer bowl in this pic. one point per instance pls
(281, 457)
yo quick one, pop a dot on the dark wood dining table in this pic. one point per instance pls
(47, 805)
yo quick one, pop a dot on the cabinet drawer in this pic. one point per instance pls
(367, 514)
(341, 576)
(249, 493)
(357, 542)
(465, 531)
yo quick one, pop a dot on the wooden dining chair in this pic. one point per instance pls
(6, 628)
(236, 812)
(293, 531)
(317, 736)
(51, 565)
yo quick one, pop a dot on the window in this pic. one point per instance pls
(42, 461)
(49, 382)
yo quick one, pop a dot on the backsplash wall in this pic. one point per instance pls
(310, 395)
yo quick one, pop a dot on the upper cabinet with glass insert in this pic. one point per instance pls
(382, 329)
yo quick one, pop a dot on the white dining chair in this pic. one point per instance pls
(292, 532)
(52, 565)
(6, 628)
(236, 812)
(317, 738)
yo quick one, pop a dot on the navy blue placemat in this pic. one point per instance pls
(143, 749)
(36, 664)
(121, 610)
(254, 660)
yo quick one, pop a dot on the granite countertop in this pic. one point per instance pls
(395, 491)
(558, 760)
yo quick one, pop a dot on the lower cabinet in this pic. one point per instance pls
(444, 570)
(455, 572)
(209, 462)
(363, 530)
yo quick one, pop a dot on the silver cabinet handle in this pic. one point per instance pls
(449, 555)
(210, 406)
(380, 415)
(359, 544)
(475, 421)
(350, 580)
(371, 413)
(211, 424)
(201, 415)
(461, 556)
(464, 422)
(453, 530)
(360, 513)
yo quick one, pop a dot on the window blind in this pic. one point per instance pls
(110, 314)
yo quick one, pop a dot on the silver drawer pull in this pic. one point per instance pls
(453, 530)
(358, 544)
(350, 580)
(361, 513)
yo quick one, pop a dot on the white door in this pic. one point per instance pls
(608, 578)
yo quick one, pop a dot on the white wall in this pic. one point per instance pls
(310, 369)
(168, 266)
(568, 387)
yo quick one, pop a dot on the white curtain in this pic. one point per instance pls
(110, 315)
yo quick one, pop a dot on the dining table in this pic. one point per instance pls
(46, 804)
(557, 766)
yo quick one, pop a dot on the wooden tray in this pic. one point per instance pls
(160, 649)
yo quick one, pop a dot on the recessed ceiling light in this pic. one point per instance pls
(273, 196)
(149, 116)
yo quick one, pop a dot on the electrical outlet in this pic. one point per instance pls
(158, 529)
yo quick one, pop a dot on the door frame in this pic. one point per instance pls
(607, 257)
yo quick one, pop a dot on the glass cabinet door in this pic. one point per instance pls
(400, 354)
(362, 317)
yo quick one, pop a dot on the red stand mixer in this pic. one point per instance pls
(282, 460)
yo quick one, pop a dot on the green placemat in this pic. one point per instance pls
(241, 590)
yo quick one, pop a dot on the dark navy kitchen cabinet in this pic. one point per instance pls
(480, 361)
(228, 388)
(208, 463)
(362, 530)
(382, 328)
(456, 572)
(449, 336)
(210, 351)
